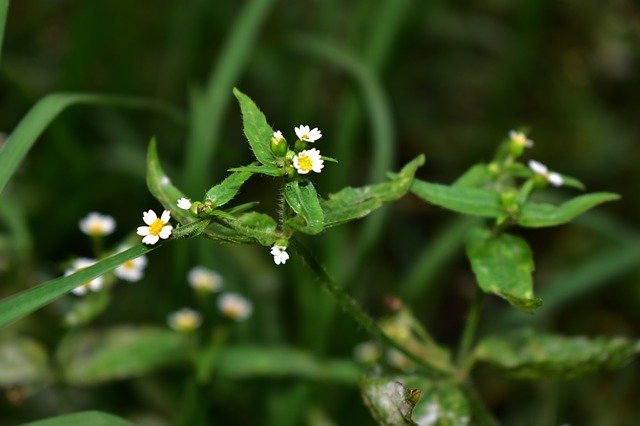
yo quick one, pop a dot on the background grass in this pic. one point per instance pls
(384, 82)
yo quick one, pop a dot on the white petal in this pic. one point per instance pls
(277, 135)
(184, 204)
(166, 216)
(166, 232)
(149, 217)
(538, 167)
(555, 179)
(80, 290)
(143, 231)
(150, 239)
(96, 285)
(301, 131)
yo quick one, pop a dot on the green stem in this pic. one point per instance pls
(470, 328)
(357, 313)
(481, 414)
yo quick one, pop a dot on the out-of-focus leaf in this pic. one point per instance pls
(19, 305)
(223, 192)
(389, 401)
(256, 129)
(84, 418)
(22, 361)
(355, 203)
(503, 265)
(303, 199)
(265, 169)
(242, 362)
(537, 215)
(477, 176)
(441, 403)
(88, 357)
(527, 354)
(87, 308)
(473, 201)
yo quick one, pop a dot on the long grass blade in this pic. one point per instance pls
(4, 8)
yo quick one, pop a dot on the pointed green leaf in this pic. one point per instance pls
(256, 129)
(527, 354)
(88, 357)
(477, 176)
(264, 169)
(503, 265)
(303, 199)
(23, 361)
(84, 418)
(224, 192)
(19, 305)
(537, 215)
(472, 201)
(355, 203)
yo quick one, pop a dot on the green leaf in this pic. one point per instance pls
(224, 192)
(265, 169)
(21, 304)
(256, 129)
(42, 114)
(303, 199)
(84, 418)
(89, 357)
(527, 354)
(537, 215)
(252, 227)
(355, 203)
(477, 176)
(388, 401)
(441, 403)
(503, 265)
(472, 201)
(22, 361)
(244, 362)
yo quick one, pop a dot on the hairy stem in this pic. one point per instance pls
(357, 313)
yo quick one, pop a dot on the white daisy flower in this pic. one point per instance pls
(304, 133)
(205, 280)
(520, 139)
(97, 225)
(158, 227)
(280, 255)
(91, 285)
(184, 320)
(553, 178)
(132, 270)
(184, 203)
(277, 135)
(235, 306)
(307, 160)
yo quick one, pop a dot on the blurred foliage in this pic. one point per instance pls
(384, 84)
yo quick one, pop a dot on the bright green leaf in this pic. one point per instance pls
(19, 305)
(527, 354)
(503, 265)
(477, 176)
(88, 357)
(256, 129)
(537, 215)
(224, 192)
(23, 361)
(84, 418)
(472, 201)
(303, 199)
(265, 169)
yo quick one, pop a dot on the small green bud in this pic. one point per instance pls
(509, 201)
(289, 156)
(204, 209)
(195, 207)
(279, 145)
(282, 242)
(289, 171)
(516, 149)
(494, 168)
(300, 145)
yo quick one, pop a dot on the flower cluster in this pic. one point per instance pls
(302, 159)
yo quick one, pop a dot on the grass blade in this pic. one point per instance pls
(4, 7)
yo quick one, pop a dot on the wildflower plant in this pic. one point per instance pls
(407, 376)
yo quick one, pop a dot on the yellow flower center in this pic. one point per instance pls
(305, 137)
(305, 163)
(95, 229)
(128, 264)
(156, 227)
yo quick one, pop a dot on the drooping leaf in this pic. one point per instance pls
(388, 400)
(355, 203)
(441, 403)
(265, 169)
(527, 354)
(503, 265)
(84, 418)
(88, 357)
(461, 199)
(21, 304)
(243, 362)
(303, 199)
(537, 215)
(256, 129)
(22, 361)
(224, 192)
